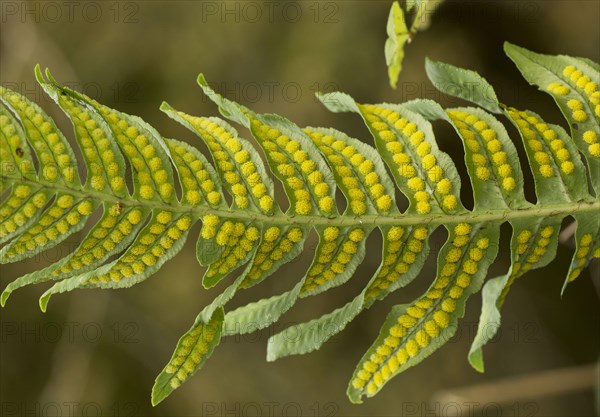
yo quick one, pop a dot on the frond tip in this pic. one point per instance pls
(141, 194)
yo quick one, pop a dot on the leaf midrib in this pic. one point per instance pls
(563, 209)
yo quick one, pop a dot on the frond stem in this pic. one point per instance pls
(340, 220)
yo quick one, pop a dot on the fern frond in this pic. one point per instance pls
(129, 179)
(558, 172)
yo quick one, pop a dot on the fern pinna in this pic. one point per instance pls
(144, 225)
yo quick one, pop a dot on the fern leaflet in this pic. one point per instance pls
(130, 174)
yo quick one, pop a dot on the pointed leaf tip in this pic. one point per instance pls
(38, 74)
(50, 77)
(4, 297)
(165, 107)
(44, 299)
(476, 360)
(202, 80)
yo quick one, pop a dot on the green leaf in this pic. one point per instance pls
(533, 245)
(490, 155)
(358, 170)
(405, 140)
(98, 246)
(337, 256)
(310, 336)
(587, 244)
(16, 155)
(424, 11)
(174, 186)
(291, 154)
(207, 249)
(555, 161)
(335, 263)
(394, 45)
(232, 255)
(404, 254)
(262, 313)
(489, 321)
(50, 227)
(21, 209)
(229, 109)
(192, 351)
(573, 83)
(141, 145)
(412, 332)
(199, 181)
(462, 83)
(275, 250)
(157, 242)
(103, 160)
(241, 168)
(225, 296)
(58, 164)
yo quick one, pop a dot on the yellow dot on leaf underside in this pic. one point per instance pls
(356, 235)
(575, 104)
(482, 173)
(547, 232)
(579, 116)
(567, 167)
(462, 229)
(590, 137)
(303, 207)
(450, 202)
(546, 171)
(509, 184)
(395, 233)
(594, 150)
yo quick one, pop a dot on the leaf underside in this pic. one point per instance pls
(150, 190)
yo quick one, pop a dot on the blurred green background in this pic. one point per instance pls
(99, 351)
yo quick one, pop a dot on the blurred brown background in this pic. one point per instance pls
(98, 352)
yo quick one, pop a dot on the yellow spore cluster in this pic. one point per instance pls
(546, 147)
(57, 220)
(357, 174)
(210, 225)
(99, 155)
(401, 251)
(413, 157)
(152, 243)
(56, 163)
(239, 172)
(580, 111)
(194, 347)
(104, 239)
(428, 316)
(588, 89)
(22, 205)
(335, 252)
(558, 89)
(531, 247)
(585, 251)
(300, 174)
(152, 175)
(14, 152)
(196, 183)
(275, 246)
(238, 240)
(591, 138)
(486, 151)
